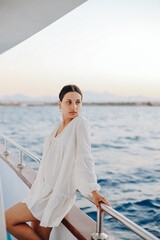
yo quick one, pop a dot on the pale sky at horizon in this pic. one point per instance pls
(102, 46)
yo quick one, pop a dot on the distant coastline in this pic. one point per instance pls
(89, 99)
(30, 104)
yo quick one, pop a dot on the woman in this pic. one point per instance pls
(67, 165)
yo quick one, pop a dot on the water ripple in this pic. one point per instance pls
(107, 146)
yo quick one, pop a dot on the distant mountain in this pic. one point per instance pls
(28, 99)
(107, 97)
(89, 97)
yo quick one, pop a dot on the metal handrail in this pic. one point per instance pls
(128, 223)
(21, 149)
(116, 215)
(141, 232)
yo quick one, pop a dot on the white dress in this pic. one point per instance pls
(67, 165)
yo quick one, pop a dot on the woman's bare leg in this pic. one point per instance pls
(16, 216)
(43, 232)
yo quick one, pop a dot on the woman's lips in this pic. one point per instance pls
(73, 112)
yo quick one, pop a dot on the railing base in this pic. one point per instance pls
(21, 165)
(99, 236)
(6, 153)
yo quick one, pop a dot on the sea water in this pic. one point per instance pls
(125, 144)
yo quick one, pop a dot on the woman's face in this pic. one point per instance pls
(71, 105)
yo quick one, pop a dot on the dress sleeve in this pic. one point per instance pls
(40, 174)
(86, 179)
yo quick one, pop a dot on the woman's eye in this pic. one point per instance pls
(69, 102)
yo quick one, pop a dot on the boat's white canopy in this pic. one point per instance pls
(20, 19)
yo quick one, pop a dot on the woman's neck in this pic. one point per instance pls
(66, 121)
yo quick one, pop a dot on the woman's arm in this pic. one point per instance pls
(85, 171)
(86, 179)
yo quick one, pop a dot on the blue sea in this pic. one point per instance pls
(126, 149)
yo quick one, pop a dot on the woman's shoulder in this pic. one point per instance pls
(83, 121)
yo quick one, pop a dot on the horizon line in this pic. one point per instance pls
(129, 96)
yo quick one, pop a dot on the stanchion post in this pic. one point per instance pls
(99, 235)
(21, 164)
(6, 148)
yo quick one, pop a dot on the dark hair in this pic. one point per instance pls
(69, 88)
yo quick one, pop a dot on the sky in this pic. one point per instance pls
(102, 46)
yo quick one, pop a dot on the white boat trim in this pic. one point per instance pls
(2, 218)
(20, 19)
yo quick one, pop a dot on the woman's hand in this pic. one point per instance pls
(97, 197)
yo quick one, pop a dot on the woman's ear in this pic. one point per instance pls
(59, 103)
